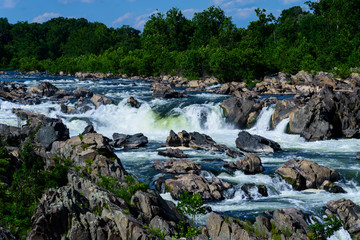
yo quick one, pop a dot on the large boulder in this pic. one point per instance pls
(198, 141)
(304, 174)
(209, 189)
(173, 152)
(13, 93)
(129, 141)
(242, 111)
(81, 92)
(283, 109)
(290, 220)
(349, 214)
(255, 143)
(44, 89)
(165, 91)
(99, 100)
(175, 166)
(250, 164)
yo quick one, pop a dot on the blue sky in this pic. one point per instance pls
(115, 13)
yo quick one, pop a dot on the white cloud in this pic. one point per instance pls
(227, 3)
(70, 1)
(142, 19)
(290, 1)
(189, 13)
(243, 13)
(45, 17)
(122, 18)
(8, 3)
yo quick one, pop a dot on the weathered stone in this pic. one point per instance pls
(283, 109)
(88, 129)
(250, 164)
(133, 102)
(349, 214)
(173, 152)
(175, 166)
(99, 100)
(164, 91)
(291, 220)
(45, 89)
(81, 92)
(130, 141)
(304, 174)
(254, 191)
(256, 144)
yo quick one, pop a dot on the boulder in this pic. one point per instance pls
(304, 174)
(290, 220)
(81, 92)
(13, 93)
(6, 234)
(88, 129)
(129, 141)
(165, 91)
(99, 100)
(250, 164)
(198, 141)
(349, 214)
(133, 102)
(67, 109)
(208, 189)
(175, 166)
(173, 152)
(256, 144)
(358, 155)
(283, 109)
(44, 89)
(12, 135)
(254, 191)
(242, 111)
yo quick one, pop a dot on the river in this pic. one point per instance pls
(201, 112)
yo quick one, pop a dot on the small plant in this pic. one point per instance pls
(321, 231)
(80, 136)
(156, 232)
(191, 204)
(187, 231)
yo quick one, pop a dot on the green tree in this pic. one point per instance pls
(191, 204)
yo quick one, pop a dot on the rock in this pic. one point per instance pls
(49, 130)
(81, 92)
(254, 191)
(243, 111)
(173, 152)
(208, 189)
(6, 234)
(12, 135)
(256, 144)
(290, 220)
(45, 89)
(89, 129)
(93, 152)
(331, 187)
(250, 164)
(349, 214)
(231, 88)
(130, 141)
(177, 166)
(198, 141)
(163, 91)
(303, 76)
(283, 109)
(358, 155)
(133, 102)
(67, 109)
(99, 100)
(303, 174)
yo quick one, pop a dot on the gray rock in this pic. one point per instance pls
(173, 152)
(256, 144)
(45, 89)
(250, 164)
(129, 141)
(133, 102)
(99, 100)
(80, 92)
(358, 155)
(164, 91)
(6, 234)
(177, 166)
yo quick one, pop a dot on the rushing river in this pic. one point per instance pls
(200, 112)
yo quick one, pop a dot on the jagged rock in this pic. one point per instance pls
(208, 189)
(349, 214)
(303, 76)
(304, 174)
(6, 234)
(290, 220)
(81, 92)
(89, 129)
(250, 164)
(99, 100)
(50, 129)
(176, 166)
(251, 190)
(129, 141)
(242, 111)
(67, 109)
(133, 102)
(231, 88)
(164, 91)
(45, 89)
(198, 141)
(93, 151)
(12, 135)
(283, 109)
(173, 152)
(256, 144)
(13, 93)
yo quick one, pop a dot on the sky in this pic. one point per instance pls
(115, 13)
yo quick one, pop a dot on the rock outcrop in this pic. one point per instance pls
(45, 89)
(198, 141)
(349, 214)
(250, 164)
(255, 143)
(177, 166)
(129, 141)
(303, 174)
(165, 91)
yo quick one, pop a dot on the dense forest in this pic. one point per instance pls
(325, 38)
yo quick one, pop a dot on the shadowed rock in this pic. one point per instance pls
(173, 152)
(250, 164)
(176, 166)
(129, 141)
(256, 144)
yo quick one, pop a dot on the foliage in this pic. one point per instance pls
(320, 231)
(156, 232)
(125, 191)
(191, 204)
(189, 232)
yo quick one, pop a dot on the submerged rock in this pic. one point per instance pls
(303, 174)
(133, 102)
(255, 143)
(250, 164)
(249, 188)
(173, 152)
(349, 214)
(129, 141)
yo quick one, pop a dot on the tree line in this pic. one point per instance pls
(324, 38)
